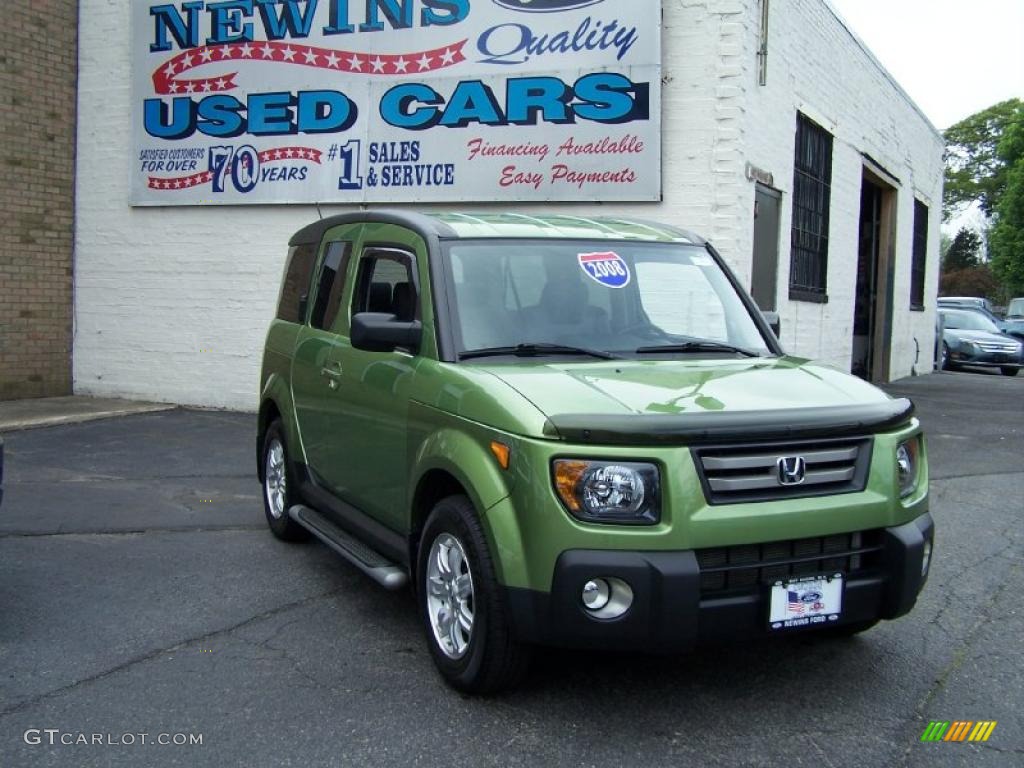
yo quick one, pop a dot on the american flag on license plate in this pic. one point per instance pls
(795, 606)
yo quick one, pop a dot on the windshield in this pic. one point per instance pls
(1016, 308)
(617, 298)
(968, 321)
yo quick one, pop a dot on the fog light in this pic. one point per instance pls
(926, 558)
(596, 594)
(607, 597)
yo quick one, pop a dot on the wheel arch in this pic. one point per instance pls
(435, 484)
(442, 476)
(269, 411)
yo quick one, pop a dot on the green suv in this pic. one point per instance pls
(577, 432)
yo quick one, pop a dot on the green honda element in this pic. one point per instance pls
(577, 432)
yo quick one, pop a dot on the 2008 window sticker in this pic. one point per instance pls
(605, 267)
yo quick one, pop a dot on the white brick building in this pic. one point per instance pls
(172, 303)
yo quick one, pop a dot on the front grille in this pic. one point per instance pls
(746, 473)
(747, 567)
(1005, 347)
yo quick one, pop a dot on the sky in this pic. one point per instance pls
(953, 57)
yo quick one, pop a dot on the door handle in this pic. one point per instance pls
(331, 371)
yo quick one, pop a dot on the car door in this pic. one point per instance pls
(316, 364)
(372, 441)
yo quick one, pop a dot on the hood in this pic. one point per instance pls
(962, 334)
(678, 387)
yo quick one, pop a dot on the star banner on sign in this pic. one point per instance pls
(305, 154)
(167, 78)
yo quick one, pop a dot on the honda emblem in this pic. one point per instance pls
(792, 470)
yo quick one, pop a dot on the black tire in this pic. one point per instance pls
(493, 660)
(1009, 371)
(944, 362)
(281, 524)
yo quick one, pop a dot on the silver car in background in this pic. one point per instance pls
(969, 338)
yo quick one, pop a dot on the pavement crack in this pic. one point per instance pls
(955, 577)
(149, 656)
(1000, 750)
(970, 475)
(84, 479)
(959, 657)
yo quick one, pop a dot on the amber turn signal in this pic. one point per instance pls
(567, 477)
(501, 452)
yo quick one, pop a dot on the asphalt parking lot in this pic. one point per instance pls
(140, 592)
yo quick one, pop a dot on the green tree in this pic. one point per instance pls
(975, 170)
(973, 281)
(1006, 241)
(963, 252)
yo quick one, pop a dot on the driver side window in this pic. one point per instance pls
(385, 284)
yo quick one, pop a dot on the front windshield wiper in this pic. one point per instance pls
(698, 346)
(537, 350)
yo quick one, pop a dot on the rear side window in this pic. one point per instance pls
(330, 285)
(295, 284)
(386, 285)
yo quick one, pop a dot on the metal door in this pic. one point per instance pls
(765, 271)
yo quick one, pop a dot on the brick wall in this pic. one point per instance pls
(818, 67)
(38, 68)
(173, 303)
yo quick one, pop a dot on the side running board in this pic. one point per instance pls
(370, 562)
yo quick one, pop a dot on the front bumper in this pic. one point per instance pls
(669, 612)
(986, 359)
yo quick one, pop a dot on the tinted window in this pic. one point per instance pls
(295, 283)
(968, 321)
(386, 285)
(331, 284)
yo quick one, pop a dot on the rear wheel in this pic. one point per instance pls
(1009, 371)
(278, 486)
(463, 608)
(944, 364)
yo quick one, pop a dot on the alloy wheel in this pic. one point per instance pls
(275, 483)
(449, 588)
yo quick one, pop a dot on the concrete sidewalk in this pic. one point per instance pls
(16, 415)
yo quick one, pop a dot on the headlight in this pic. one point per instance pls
(906, 466)
(609, 491)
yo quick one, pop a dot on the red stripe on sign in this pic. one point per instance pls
(168, 80)
(587, 257)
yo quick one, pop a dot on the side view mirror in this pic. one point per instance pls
(383, 332)
(774, 322)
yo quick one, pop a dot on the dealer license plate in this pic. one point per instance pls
(806, 602)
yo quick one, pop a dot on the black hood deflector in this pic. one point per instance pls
(725, 427)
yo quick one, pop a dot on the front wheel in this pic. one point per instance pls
(1009, 371)
(463, 607)
(278, 486)
(944, 364)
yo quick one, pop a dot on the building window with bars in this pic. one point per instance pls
(812, 192)
(920, 256)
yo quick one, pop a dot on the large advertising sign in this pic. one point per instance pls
(359, 101)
